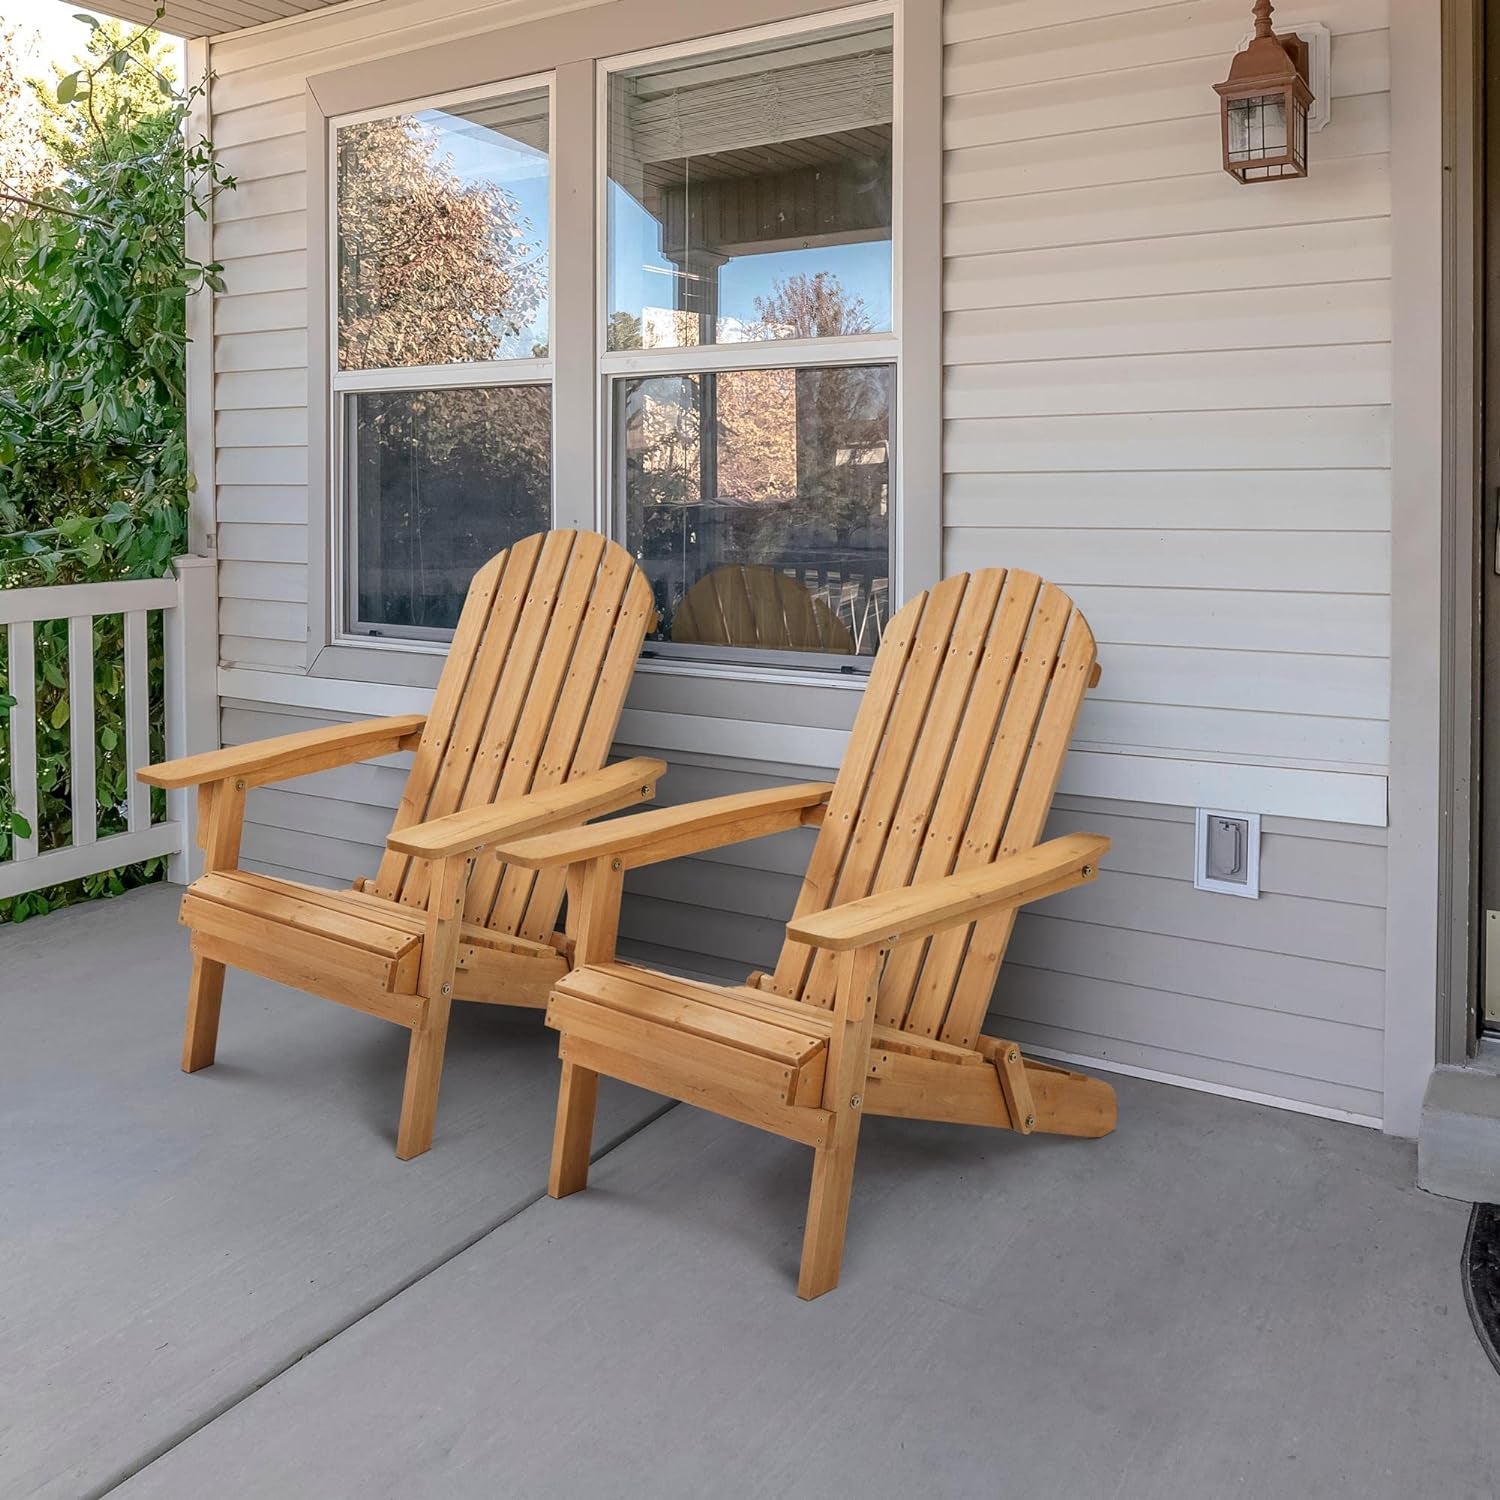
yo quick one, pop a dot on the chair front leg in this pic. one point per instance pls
(221, 822)
(429, 1037)
(843, 1087)
(594, 894)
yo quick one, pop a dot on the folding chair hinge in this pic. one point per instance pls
(1015, 1085)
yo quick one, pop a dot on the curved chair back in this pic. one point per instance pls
(531, 693)
(953, 760)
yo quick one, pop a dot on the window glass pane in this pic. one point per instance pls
(750, 192)
(757, 501)
(441, 481)
(442, 235)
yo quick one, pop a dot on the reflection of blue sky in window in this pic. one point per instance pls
(641, 277)
(483, 155)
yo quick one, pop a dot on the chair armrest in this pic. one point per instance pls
(572, 801)
(915, 911)
(648, 838)
(290, 754)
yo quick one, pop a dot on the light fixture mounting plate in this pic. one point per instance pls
(1319, 63)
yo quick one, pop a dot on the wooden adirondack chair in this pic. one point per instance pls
(521, 722)
(928, 844)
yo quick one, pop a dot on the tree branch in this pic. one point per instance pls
(9, 196)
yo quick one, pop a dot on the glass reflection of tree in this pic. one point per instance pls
(801, 453)
(433, 269)
(437, 270)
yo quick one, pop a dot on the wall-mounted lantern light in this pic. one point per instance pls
(1264, 104)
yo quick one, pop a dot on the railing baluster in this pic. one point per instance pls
(137, 719)
(83, 779)
(22, 687)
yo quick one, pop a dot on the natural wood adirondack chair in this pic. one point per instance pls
(928, 845)
(521, 722)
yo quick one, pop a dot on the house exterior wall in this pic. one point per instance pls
(1166, 392)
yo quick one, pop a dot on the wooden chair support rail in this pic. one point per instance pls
(587, 796)
(669, 832)
(898, 916)
(290, 754)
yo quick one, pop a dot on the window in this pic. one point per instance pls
(748, 339)
(442, 318)
(682, 289)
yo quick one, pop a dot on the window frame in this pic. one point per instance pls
(568, 46)
(616, 366)
(346, 627)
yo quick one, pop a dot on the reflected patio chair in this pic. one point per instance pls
(749, 604)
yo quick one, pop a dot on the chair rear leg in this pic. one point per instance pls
(200, 1037)
(828, 1208)
(424, 1073)
(573, 1137)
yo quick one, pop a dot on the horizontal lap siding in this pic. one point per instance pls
(1167, 392)
(1171, 394)
(1282, 997)
(1153, 374)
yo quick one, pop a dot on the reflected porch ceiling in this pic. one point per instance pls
(211, 17)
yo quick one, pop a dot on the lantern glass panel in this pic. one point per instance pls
(1257, 128)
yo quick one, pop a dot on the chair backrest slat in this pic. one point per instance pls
(954, 760)
(592, 694)
(514, 758)
(844, 803)
(531, 693)
(480, 615)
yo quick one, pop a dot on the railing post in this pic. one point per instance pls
(192, 694)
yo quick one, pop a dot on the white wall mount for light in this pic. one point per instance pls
(1319, 62)
(1226, 852)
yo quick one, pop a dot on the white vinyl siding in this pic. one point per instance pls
(1165, 391)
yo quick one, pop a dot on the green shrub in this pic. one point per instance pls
(94, 477)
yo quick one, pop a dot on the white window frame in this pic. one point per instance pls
(768, 354)
(568, 46)
(343, 523)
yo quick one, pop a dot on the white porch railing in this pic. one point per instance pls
(188, 605)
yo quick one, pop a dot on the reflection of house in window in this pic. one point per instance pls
(782, 150)
(750, 203)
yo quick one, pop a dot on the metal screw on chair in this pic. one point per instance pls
(1012, 1056)
(447, 989)
(1031, 1122)
(854, 1103)
(614, 864)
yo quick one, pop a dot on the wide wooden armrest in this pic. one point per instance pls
(290, 754)
(573, 801)
(915, 911)
(668, 832)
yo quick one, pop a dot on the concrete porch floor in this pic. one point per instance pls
(227, 1285)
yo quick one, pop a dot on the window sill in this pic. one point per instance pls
(402, 662)
(664, 666)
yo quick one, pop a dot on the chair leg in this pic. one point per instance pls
(200, 1037)
(828, 1208)
(424, 1072)
(573, 1137)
